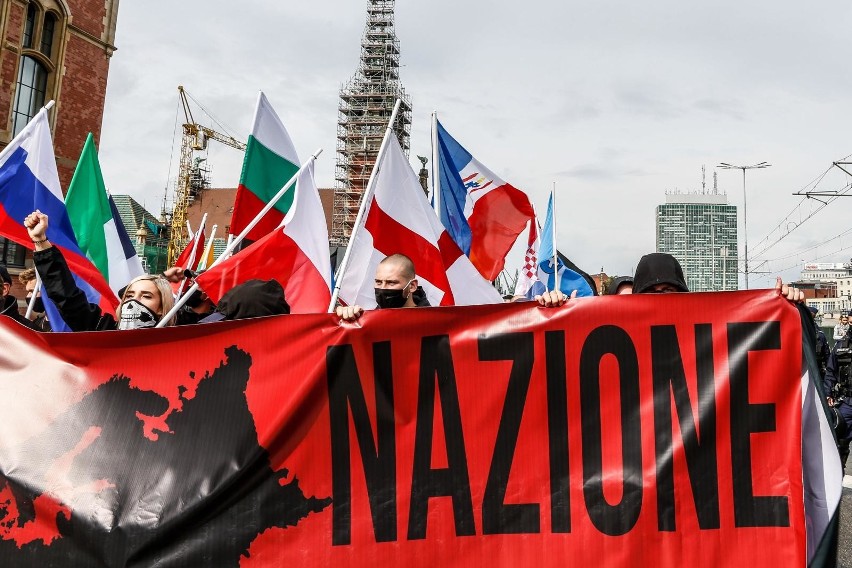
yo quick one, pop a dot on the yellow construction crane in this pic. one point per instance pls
(195, 137)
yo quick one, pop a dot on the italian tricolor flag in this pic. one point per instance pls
(269, 163)
(96, 223)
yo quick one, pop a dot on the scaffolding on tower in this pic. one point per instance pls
(366, 105)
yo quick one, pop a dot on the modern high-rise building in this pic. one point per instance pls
(366, 105)
(700, 231)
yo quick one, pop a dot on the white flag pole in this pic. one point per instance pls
(36, 290)
(555, 250)
(189, 232)
(208, 246)
(436, 177)
(234, 243)
(194, 253)
(365, 199)
(230, 240)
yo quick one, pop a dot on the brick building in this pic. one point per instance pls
(59, 50)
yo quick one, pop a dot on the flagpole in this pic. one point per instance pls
(207, 248)
(33, 299)
(436, 174)
(555, 250)
(237, 240)
(368, 194)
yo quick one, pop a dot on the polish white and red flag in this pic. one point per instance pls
(295, 254)
(398, 219)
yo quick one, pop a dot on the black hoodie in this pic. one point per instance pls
(658, 268)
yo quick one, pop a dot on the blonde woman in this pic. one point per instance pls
(143, 303)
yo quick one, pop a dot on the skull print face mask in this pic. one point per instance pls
(135, 315)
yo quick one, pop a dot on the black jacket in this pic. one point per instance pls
(9, 307)
(71, 302)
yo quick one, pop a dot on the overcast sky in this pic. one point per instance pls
(615, 101)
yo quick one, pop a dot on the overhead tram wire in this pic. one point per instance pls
(785, 223)
(820, 257)
(800, 252)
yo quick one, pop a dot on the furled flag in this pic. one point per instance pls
(190, 256)
(208, 257)
(97, 224)
(29, 181)
(295, 254)
(528, 274)
(482, 213)
(400, 220)
(270, 161)
(570, 276)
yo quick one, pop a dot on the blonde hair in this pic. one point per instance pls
(167, 299)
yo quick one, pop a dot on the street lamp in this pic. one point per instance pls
(726, 166)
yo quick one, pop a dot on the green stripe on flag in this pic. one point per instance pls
(88, 207)
(265, 173)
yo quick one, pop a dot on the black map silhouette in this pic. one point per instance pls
(197, 496)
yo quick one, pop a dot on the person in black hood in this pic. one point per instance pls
(251, 299)
(658, 273)
(395, 287)
(620, 285)
(8, 302)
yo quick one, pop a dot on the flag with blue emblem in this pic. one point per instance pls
(538, 275)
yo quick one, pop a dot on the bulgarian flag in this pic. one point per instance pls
(96, 223)
(270, 161)
(295, 254)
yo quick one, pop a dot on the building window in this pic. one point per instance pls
(47, 34)
(39, 59)
(29, 25)
(31, 89)
(12, 254)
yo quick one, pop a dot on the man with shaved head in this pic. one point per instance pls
(395, 287)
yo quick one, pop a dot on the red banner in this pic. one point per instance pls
(617, 431)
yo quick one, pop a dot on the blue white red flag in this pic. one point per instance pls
(482, 213)
(29, 181)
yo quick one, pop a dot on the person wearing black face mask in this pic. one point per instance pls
(395, 287)
(28, 279)
(8, 302)
(197, 307)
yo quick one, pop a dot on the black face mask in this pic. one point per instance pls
(38, 306)
(195, 299)
(387, 298)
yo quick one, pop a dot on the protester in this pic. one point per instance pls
(144, 301)
(822, 351)
(28, 279)
(251, 299)
(8, 302)
(620, 285)
(395, 287)
(658, 273)
(841, 329)
(197, 307)
(838, 390)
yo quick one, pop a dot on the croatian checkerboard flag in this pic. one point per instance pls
(399, 219)
(482, 213)
(29, 181)
(537, 275)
